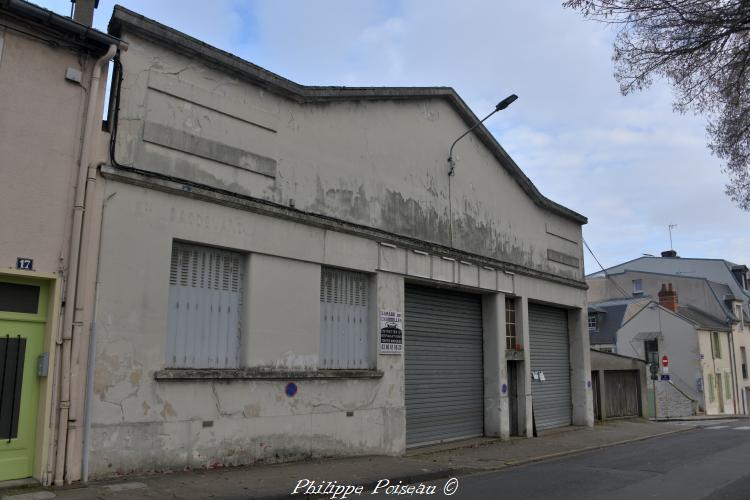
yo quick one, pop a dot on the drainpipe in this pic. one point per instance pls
(73, 316)
(91, 359)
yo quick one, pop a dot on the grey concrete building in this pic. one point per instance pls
(290, 271)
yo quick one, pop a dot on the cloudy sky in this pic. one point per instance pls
(629, 164)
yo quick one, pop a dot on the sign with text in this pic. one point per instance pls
(391, 332)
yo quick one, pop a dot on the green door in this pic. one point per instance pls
(23, 312)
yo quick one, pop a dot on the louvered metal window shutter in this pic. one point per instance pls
(344, 320)
(205, 298)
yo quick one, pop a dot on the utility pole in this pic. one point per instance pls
(671, 226)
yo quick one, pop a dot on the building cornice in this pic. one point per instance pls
(185, 188)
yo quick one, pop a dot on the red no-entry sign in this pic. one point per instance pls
(664, 361)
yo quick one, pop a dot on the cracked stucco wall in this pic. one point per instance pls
(141, 424)
(377, 163)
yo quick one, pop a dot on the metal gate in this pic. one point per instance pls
(444, 372)
(622, 393)
(550, 366)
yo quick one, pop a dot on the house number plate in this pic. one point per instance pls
(24, 263)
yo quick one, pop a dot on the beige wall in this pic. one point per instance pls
(721, 366)
(693, 291)
(41, 117)
(741, 338)
(381, 164)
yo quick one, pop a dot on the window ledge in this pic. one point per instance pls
(262, 374)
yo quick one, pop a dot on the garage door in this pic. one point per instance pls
(550, 359)
(622, 393)
(444, 377)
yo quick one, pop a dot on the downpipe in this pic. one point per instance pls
(73, 315)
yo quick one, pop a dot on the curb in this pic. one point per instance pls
(708, 418)
(467, 471)
(589, 448)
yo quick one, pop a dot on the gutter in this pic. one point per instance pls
(66, 24)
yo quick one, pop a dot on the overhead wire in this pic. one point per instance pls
(606, 275)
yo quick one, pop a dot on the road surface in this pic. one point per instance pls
(710, 462)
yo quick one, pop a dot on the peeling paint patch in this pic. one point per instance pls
(410, 218)
(167, 411)
(251, 410)
(135, 376)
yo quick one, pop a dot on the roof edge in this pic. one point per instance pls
(84, 34)
(164, 35)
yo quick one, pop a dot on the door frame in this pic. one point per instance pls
(42, 447)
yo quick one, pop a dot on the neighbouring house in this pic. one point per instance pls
(711, 377)
(53, 73)
(290, 271)
(607, 317)
(699, 377)
(728, 293)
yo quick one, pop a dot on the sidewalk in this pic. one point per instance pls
(278, 481)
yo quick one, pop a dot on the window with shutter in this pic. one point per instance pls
(205, 297)
(344, 320)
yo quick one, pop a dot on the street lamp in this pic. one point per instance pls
(500, 106)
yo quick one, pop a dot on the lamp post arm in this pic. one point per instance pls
(450, 154)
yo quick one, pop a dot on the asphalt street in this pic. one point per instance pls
(710, 462)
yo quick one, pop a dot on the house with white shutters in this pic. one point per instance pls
(290, 271)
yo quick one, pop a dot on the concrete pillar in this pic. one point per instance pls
(496, 418)
(525, 415)
(390, 296)
(643, 377)
(580, 364)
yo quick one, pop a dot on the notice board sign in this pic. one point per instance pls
(391, 332)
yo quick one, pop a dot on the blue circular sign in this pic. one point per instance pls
(291, 389)
(505, 388)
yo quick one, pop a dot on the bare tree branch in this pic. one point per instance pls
(702, 47)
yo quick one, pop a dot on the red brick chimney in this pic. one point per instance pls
(668, 297)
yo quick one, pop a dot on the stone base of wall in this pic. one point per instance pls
(670, 401)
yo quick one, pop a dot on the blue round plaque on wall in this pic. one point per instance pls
(291, 389)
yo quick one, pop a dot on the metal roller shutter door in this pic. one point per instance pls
(550, 354)
(444, 372)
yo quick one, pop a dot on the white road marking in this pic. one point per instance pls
(743, 428)
(717, 427)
